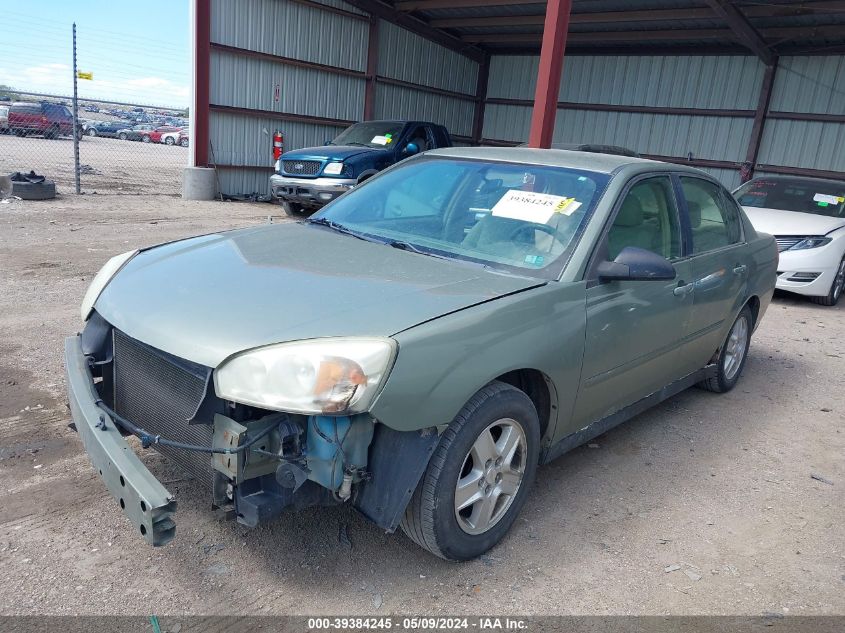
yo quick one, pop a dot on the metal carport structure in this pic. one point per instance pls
(731, 86)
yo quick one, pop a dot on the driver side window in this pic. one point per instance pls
(647, 219)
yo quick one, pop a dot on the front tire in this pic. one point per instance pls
(479, 476)
(169, 141)
(122, 136)
(91, 132)
(733, 354)
(145, 139)
(293, 210)
(836, 287)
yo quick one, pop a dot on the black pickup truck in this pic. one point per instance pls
(308, 178)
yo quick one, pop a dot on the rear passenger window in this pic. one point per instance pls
(714, 222)
(647, 219)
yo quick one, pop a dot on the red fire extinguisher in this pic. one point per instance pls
(278, 143)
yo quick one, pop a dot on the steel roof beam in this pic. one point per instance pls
(742, 28)
(421, 28)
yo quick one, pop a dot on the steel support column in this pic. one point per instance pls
(372, 70)
(549, 72)
(202, 78)
(480, 100)
(747, 173)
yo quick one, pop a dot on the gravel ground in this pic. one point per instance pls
(108, 165)
(704, 505)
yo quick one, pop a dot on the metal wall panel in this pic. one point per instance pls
(728, 177)
(398, 102)
(407, 56)
(247, 140)
(247, 82)
(808, 144)
(725, 82)
(810, 84)
(245, 182)
(289, 29)
(716, 138)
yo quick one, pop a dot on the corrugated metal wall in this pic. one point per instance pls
(407, 57)
(726, 83)
(814, 85)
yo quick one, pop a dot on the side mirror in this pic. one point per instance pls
(637, 264)
(411, 148)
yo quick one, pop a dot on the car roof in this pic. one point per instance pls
(588, 161)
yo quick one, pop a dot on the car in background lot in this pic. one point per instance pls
(306, 179)
(134, 133)
(807, 218)
(172, 137)
(108, 129)
(48, 119)
(154, 135)
(4, 119)
(420, 345)
(185, 138)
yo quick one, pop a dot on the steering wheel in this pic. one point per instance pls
(532, 226)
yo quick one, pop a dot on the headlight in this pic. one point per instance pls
(101, 280)
(277, 165)
(811, 242)
(333, 169)
(331, 375)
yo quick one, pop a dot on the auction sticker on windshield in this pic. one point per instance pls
(530, 206)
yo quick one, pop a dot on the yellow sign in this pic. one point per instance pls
(88, 76)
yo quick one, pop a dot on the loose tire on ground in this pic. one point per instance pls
(433, 519)
(836, 288)
(732, 355)
(34, 191)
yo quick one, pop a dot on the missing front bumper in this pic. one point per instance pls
(144, 500)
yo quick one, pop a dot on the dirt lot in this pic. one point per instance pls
(718, 485)
(108, 165)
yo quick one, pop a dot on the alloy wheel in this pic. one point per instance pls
(839, 281)
(735, 347)
(490, 477)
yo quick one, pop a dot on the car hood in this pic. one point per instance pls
(329, 152)
(206, 298)
(779, 222)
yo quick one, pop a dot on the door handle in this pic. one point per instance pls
(682, 289)
(740, 269)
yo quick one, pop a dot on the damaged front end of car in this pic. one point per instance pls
(285, 426)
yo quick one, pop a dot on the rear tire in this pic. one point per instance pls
(169, 140)
(122, 136)
(51, 132)
(732, 355)
(836, 288)
(91, 132)
(145, 139)
(466, 502)
(184, 142)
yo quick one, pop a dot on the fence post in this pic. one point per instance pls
(75, 119)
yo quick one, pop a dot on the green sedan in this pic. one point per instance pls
(421, 345)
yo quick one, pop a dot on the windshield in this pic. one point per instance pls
(819, 197)
(513, 217)
(370, 134)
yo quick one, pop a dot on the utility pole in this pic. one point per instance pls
(75, 119)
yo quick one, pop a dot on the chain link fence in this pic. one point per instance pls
(123, 149)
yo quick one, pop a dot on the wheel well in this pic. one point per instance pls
(754, 304)
(534, 384)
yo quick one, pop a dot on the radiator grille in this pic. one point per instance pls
(161, 393)
(302, 167)
(786, 242)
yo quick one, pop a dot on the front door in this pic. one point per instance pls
(635, 328)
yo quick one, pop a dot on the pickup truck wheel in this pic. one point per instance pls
(293, 210)
(733, 354)
(836, 287)
(479, 476)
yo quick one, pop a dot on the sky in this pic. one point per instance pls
(138, 51)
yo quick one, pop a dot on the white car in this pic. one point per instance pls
(807, 218)
(172, 138)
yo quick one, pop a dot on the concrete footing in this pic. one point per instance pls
(198, 183)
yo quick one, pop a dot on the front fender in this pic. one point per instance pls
(443, 362)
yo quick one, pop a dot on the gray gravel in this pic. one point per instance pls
(707, 504)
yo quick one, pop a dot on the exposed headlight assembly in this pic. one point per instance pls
(333, 169)
(811, 242)
(101, 280)
(329, 375)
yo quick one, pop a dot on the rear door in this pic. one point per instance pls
(718, 258)
(635, 328)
